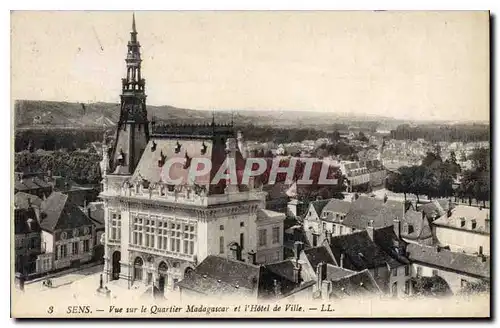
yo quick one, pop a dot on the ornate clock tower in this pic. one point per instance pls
(133, 127)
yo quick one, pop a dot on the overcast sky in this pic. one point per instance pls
(415, 65)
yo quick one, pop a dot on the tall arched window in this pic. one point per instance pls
(138, 263)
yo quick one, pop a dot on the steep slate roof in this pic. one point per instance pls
(360, 252)
(29, 183)
(232, 272)
(316, 255)
(210, 286)
(453, 261)
(319, 205)
(335, 273)
(283, 269)
(387, 239)
(359, 283)
(336, 206)
(468, 213)
(24, 200)
(25, 221)
(362, 211)
(420, 223)
(58, 213)
(149, 169)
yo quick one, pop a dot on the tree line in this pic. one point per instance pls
(80, 167)
(448, 133)
(436, 178)
(56, 139)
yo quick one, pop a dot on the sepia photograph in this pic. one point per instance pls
(250, 164)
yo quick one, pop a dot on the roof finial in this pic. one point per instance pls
(232, 118)
(133, 23)
(213, 118)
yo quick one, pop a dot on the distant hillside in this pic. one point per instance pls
(30, 114)
(51, 114)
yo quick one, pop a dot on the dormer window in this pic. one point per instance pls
(473, 224)
(462, 222)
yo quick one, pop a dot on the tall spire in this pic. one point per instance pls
(133, 23)
(133, 34)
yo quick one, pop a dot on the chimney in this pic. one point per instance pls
(487, 225)
(29, 202)
(235, 252)
(448, 213)
(385, 198)
(297, 268)
(252, 257)
(370, 229)
(326, 289)
(397, 228)
(342, 255)
(320, 272)
(328, 236)
(277, 288)
(298, 247)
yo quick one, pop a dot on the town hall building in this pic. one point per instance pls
(156, 233)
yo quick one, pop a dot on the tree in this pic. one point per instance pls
(361, 137)
(431, 286)
(480, 159)
(432, 160)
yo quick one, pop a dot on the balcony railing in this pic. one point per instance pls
(187, 195)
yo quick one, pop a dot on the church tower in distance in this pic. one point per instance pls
(133, 127)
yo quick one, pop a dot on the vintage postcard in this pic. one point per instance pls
(315, 164)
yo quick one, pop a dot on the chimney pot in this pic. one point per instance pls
(252, 257)
(342, 259)
(298, 247)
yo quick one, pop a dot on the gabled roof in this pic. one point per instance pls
(316, 255)
(59, 213)
(389, 242)
(25, 200)
(357, 284)
(334, 272)
(232, 272)
(360, 252)
(362, 211)
(318, 205)
(453, 261)
(284, 269)
(337, 206)
(419, 222)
